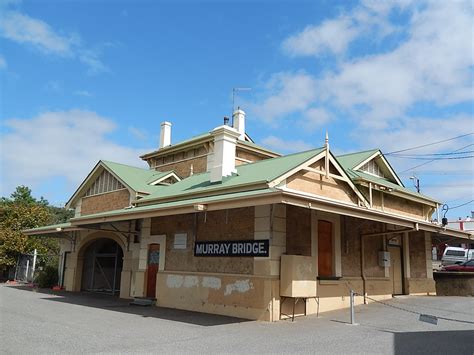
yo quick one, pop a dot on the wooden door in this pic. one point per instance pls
(325, 249)
(396, 274)
(152, 270)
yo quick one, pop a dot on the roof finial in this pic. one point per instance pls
(326, 141)
(191, 170)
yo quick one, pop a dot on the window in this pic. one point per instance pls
(325, 249)
(455, 253)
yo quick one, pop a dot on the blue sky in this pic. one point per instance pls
(83, 81)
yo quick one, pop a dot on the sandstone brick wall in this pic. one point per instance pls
(404, 207)
(318, 185)
(298, 231)
(105, 202)
(183, 168)
(233, 224)
(417, 254)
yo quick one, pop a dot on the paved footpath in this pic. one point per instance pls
(71, 323)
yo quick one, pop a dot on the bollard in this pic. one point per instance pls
(352, 294)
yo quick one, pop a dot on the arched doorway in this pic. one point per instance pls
(102, 267)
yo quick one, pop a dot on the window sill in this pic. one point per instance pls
(329, 278)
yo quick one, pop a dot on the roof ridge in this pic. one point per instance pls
(362, 151)
(281, 157)
(126, 165)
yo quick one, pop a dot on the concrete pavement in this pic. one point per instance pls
(72, 323)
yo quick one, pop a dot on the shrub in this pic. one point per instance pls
(48, 277)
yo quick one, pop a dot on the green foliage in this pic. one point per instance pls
(48, 277)
(23, 211)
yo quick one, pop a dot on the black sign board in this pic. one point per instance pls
(233, 248)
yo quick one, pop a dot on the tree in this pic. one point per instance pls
(23, 211)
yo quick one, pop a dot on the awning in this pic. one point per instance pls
(52, 229)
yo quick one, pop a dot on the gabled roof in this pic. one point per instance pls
(355, 161)
(137, 180)
(261, 172)
(351, 160)
(205, 137)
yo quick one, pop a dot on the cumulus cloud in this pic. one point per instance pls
(285, 146)
(36, 33)
(58, 144)
(432, 63)
(289, 92)
(331, 36)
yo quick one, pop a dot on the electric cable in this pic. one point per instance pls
(429, 144)
(464, 204)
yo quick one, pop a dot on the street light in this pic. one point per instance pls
(416, 182)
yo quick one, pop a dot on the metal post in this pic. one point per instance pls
(27, 270)
(35, 254)
(352, 293)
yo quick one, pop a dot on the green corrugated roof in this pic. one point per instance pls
(136, 178)
(172, 204)
(381, 181)
(350, 161)
(262, 171)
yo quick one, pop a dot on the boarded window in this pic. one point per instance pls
(325, 248)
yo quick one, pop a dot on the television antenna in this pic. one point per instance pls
(235, 91)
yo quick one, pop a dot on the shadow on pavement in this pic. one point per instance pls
(445, 342)
(113, 303)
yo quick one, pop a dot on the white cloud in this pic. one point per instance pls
(3, 62)
(58, 144)
(27, 30)
(285, 146)
(331, 36)
(24, 29)
(290, 92)
(432, 64)
(315, 118)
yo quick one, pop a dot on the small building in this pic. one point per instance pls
(218, 224)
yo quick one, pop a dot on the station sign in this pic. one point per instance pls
(250, 248)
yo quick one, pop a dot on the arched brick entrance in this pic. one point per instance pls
(102, 266)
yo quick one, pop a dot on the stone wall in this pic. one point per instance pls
(234, 224)
(417, 254)
(183, 168)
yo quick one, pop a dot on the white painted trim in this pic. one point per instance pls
(167, 176)
(385, 161)
(335, 163)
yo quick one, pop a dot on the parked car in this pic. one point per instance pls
(467, 266)
(455, 255)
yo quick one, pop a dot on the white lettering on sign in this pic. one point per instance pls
(258, 248)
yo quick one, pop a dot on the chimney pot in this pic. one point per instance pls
(238, 118)
(165, 134)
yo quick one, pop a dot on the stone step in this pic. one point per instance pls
(143, 301)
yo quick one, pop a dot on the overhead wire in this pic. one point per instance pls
(423, 164)
(429, 144)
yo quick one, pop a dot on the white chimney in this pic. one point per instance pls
(238, 118)
(165, 134)
(223, 163)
